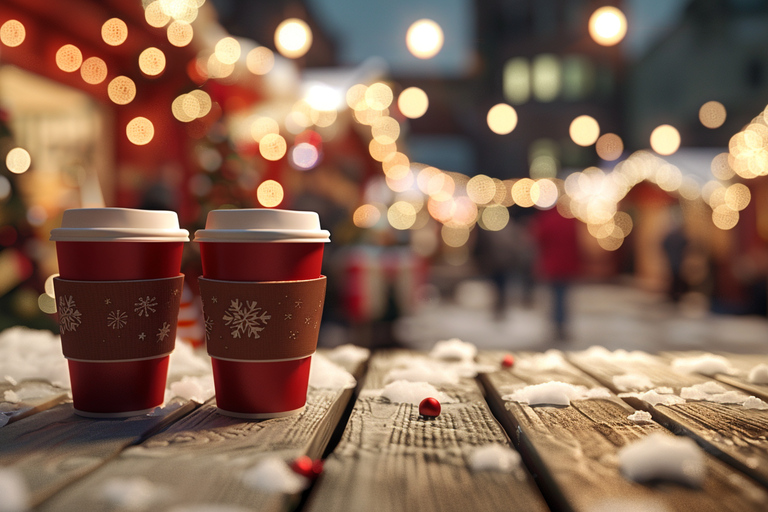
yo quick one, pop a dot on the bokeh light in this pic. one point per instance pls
(140, 131)
(712, 114)
(293, 38)
(521, 192)
(260, 60)
(12, 33)
(154, 15)
(304, 156)
(501, 119)
(227, 50)
(454, 236)
(725, 218)
(379, 96)
(180, 33)
(152, 61)
(270, 193)
(93, 70)
(609, 147)
(263, 126)
(665, 139)
(385, 130)
(356, 97)
(737, 196)
(607, 26)
(183, 10)
(544, 193)
(185, 110)
(69, 58)
(584, 130)
(494, 218)
(217, 69)
(481, 189)
(204, 102)
(18, 160)
(121, 90)
(401, 215)
(413, 102)
(272, 146)
(366, 216)
(114, 32)
(720, 167)
(424, 39)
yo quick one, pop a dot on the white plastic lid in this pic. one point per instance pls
(119, 225)
(262, 225)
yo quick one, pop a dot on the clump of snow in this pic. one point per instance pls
(653, 397)
(405, 392)
(272, 474)
(11, 396)
(707, 364)
(640, 417)
(550, 360)
(349, 356)
(423, 370)
(663, 457)
(453, 350)
(632, 382)
(131, 493)
(186, 360)
(494, 457)
(27, 354)
(755, 403)
(620, 355)
(325, 374)
(10, 380)
(555, 393)
(713, 392)
(197, 389)
(759, 374)
(14, 494)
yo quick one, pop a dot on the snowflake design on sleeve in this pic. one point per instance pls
(208, 328)
(145, 306)
(69, 316)
(117, 319)
(245, 318)
(163, 332)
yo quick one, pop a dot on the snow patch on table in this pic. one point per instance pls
(654, 397)
(405, 392)
(349, 356)
(14, 494)
(758, 374)
(494, 457)
(197, 389)
(640, 417)
(423, 370)
(186, 360)
(706, 364)
(632, 382)
(11, 396)
(550, 360)
(273, 475)
(555, 393)
(663, 457)
(325, 374)
(29, 354)
(755, 403)
(620, 355)
(453, 350)
(132, 493)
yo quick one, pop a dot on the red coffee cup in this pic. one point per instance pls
(266, 263)
(118, 294)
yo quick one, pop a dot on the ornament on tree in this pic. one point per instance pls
(508, 361)
(429, 407)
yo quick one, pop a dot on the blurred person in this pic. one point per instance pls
(558, 262)
(675, 245)
(496, 258)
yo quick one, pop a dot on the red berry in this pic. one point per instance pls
(317, 468)
(429, 407)
(508, 361)
(303, 466)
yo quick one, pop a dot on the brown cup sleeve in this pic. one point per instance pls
(118, 320)
(262, 321)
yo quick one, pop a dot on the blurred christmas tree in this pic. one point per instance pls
(20, 285)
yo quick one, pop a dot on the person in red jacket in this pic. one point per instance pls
(558, 261)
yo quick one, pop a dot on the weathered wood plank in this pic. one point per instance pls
(201, 458)
(55, 447)
(30, 397)
(574, 450)
(390, 459)
(733, 433)
(742, 364)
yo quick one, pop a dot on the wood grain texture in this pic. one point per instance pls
(55, 447)
(201, 458)
(733, 433)
(573, 450)
(390, 459)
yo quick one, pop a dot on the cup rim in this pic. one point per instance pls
(119, 225)
(262, 235)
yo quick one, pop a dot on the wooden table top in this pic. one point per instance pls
(380, 455)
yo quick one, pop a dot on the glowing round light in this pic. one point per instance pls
(185, 115)
(18, 160)
(180, 33)
(481, 189)
(140, 131)
(293, 38)
(607, 26)
(609, 147)
(413, 102)
(356, 97)
(385, 130)
(12, 33)
(379, 96)
(584, 130)
(152, 61)
(401, 215)
(381, 151)
(114, 32)
(401, 183)
(260, 60)
(393, 161)
(712, 114)
(502, 119)
(366, 216)
(183, 10)
(93, 70)
(217, 69)
(264, 126)
(270, 193)
(48, 286)
(203, 101)
(47, 304)
(610, 243)
(228, 50)
(665, 139)
(724, 218)
(737, 197)
(424, 39)
(155, 16)
(454, 236)
(494, 218)
(121, 90)
(304, 155)
(272, 146)
(5, 187)
(69, 58)
(544, 193)
(521, 192)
